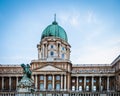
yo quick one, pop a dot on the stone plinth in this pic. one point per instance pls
(25, 86)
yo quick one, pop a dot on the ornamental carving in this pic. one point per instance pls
(11, 70)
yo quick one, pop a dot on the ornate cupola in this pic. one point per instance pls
(54, 43)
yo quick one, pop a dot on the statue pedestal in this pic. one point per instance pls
(25, 86)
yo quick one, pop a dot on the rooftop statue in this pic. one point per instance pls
(26, 70)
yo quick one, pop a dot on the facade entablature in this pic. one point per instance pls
(11, 70)
(92, 65)
(11, 75)
(58, 40)
(46, 73)
(94, 71)
(92, 75)
(11, 66)
(50, 60)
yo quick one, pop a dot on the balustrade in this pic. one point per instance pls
(60, 93)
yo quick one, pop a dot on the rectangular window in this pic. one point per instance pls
(49, 77)
(73, 88)
(94, 88)
(57, 86)
(41, 77)
(49, 86)
(87, 80)
(41, 86)
(80, 80)
(87, 88)
(73, 80)
(94, 81)
(63, 56)
(57, 77)
(80, 88)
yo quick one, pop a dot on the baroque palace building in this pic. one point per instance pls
(53, 70)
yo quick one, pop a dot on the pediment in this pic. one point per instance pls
(48, 68)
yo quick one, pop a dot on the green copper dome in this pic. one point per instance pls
(54, 30)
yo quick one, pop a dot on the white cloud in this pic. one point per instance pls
(90, 17)
(70, 18)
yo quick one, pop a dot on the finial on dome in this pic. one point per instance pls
(55, 17)
(54, 22)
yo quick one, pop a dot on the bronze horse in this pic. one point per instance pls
(26, 69)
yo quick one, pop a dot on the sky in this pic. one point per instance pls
(92, 27)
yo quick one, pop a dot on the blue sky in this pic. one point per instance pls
(92, 26)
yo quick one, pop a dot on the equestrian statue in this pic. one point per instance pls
(26, 70)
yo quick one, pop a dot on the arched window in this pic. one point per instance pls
(51, 46)
(51, 53)
(63, 48)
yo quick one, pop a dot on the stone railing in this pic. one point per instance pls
(60, 93)
(51, 60)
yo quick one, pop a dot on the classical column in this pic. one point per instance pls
(100, 83)
(43, 51)
(85, 83)
(65, 82)
(108, 83)
(9, 83)
(16, 82)
(77, 83)
(46, 51)
(68, 82)
(61, 82)
(92, 83)
(36, 81)
(2, 83)
(33, 77)
(53, 82)
(44, 82)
